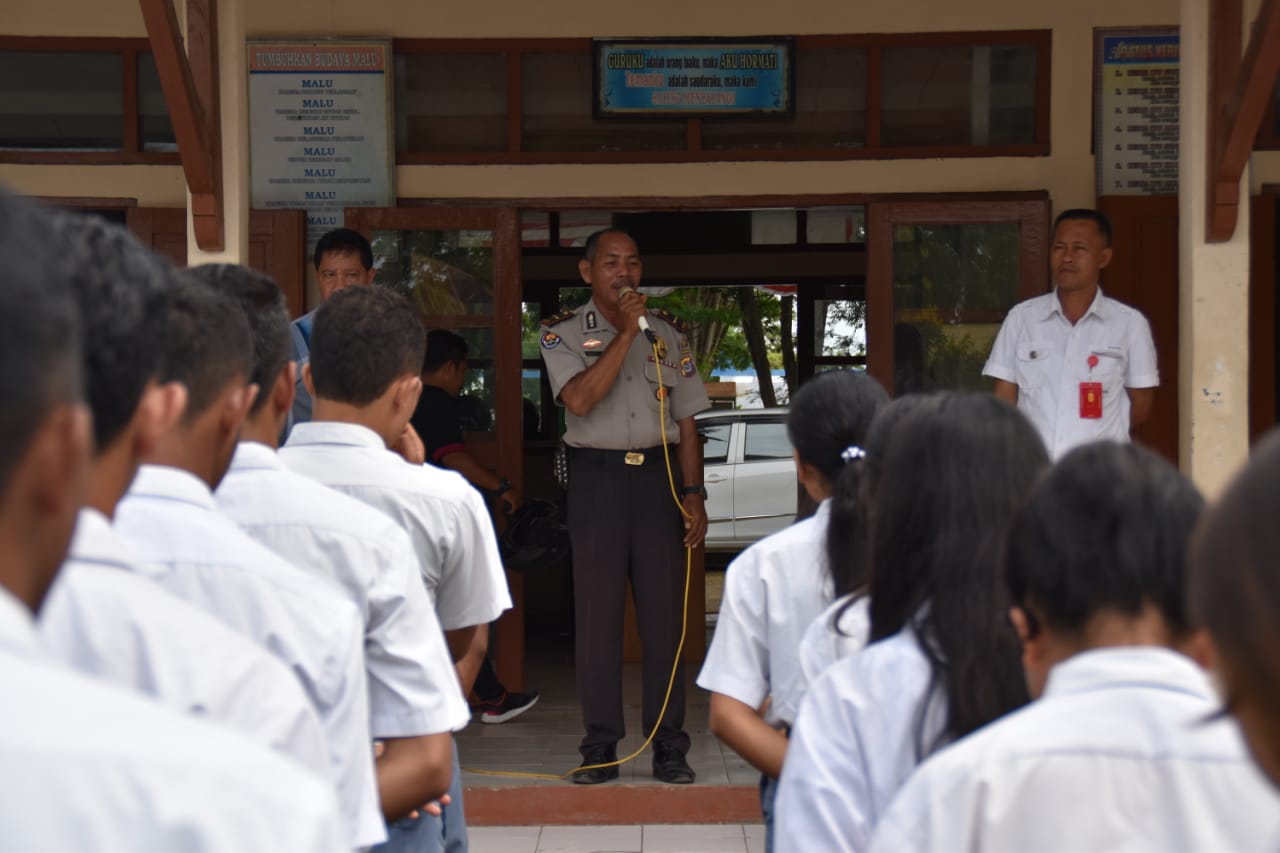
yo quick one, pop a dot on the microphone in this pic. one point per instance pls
(642, 321)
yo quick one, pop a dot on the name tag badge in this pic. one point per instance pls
(1091, 400)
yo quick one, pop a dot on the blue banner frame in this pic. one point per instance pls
(636, 78)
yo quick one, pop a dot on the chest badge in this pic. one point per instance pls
(662, 347)
(592, 343)
(550, 340)
(591, 319)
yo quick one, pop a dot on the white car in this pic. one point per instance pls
(749, 473)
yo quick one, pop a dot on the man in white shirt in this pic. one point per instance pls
(414, 699)
(366, 351)
(84, 765)
(197, 553)
(100, 617)
(1079, 365)
(1120, 751)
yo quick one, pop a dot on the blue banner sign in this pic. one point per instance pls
(696, 77)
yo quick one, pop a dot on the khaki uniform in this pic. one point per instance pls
(622, 522)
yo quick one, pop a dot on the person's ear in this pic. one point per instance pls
(584, 270)
(370, 275)
(159, 410)
(235, 407)
(1200, 648)
(59, 459)
(284, 389)
(1105, 259)
(308, 381)
(405, 392)
(1029, 635)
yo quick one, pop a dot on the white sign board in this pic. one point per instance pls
(1137, 112)
(320, 132)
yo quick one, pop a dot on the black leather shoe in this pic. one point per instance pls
(597, 755)
(669, 766)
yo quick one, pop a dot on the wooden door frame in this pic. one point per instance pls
(504, 224)
(1032, 214)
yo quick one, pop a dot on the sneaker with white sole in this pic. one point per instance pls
(510, 706)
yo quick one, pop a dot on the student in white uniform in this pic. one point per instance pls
(85, 765)
(943, 659)
(197, 553)
(1234, 594)
(843, 627)
(366, 352)
(1117, 752)
(100, 617)
(775, 588)
(414, 699)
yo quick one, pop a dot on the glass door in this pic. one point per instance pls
(940, 278)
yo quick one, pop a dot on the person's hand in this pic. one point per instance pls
(632, 306)
(434, 808)
(511, 500)
(695, 525)
(410, 446)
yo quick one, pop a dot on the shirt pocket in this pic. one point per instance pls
(1112, 366)
(1032, 364)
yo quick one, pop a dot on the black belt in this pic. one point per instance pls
(634, 458)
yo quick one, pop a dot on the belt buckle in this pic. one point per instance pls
(634, 458)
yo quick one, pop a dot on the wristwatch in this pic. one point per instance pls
(699, 489)
(504, 486)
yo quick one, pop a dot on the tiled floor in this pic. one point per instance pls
(545, 739)
(650, 838)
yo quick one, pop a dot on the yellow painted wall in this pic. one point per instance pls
(1067, 173)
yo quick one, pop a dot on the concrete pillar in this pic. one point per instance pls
(1213, 310)
(233, 87)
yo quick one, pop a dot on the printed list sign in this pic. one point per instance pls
(696, 77)
(319, 133)
(1137, 119)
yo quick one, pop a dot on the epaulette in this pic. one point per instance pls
(557, 318)
(679, 324)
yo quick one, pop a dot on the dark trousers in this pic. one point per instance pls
(624, 526)
(487, 687)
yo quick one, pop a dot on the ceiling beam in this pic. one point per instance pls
(1239, 91)
(189, 78)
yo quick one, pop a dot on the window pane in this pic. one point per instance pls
(831, 106)
(475, 402)
(958, 95)
(767, 441)
(715, 448)
(836, 225)
(451, 102)
(952, 285)
(773, 227)
(557, 100)
(63, 101)
(155, 130)
(840, 328)
(444, 273)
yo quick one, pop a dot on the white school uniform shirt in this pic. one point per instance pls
(1039, 350)
(825, 642)
(103, 619)
(854, 744)
(445, 517)
(86, 765)
(413, 689)
(195, 552)
(1115, 756)
(772, 591)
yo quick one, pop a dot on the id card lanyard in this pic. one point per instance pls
(1091, 394)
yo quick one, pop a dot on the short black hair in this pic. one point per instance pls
(1097, 217)
(344, 241)
(443, 347)
(122, 288)
(363, 339)
(40, 340)
(589, 248)
(1105, 530)
(263, 304)
(207, 343)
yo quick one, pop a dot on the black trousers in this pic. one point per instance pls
(624, 526)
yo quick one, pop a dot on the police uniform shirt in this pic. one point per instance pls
(445, 517)
(106, 621)
(1117, 755)
(85, 765)
(197, 553)
(772, 591)
(412, 687)
(626, 418)
(1039, 350)
(853, 745)
(826, 641)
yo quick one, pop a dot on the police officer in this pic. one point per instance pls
(623, 393)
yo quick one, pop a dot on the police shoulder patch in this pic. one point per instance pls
(663, 314)
(557, 318)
